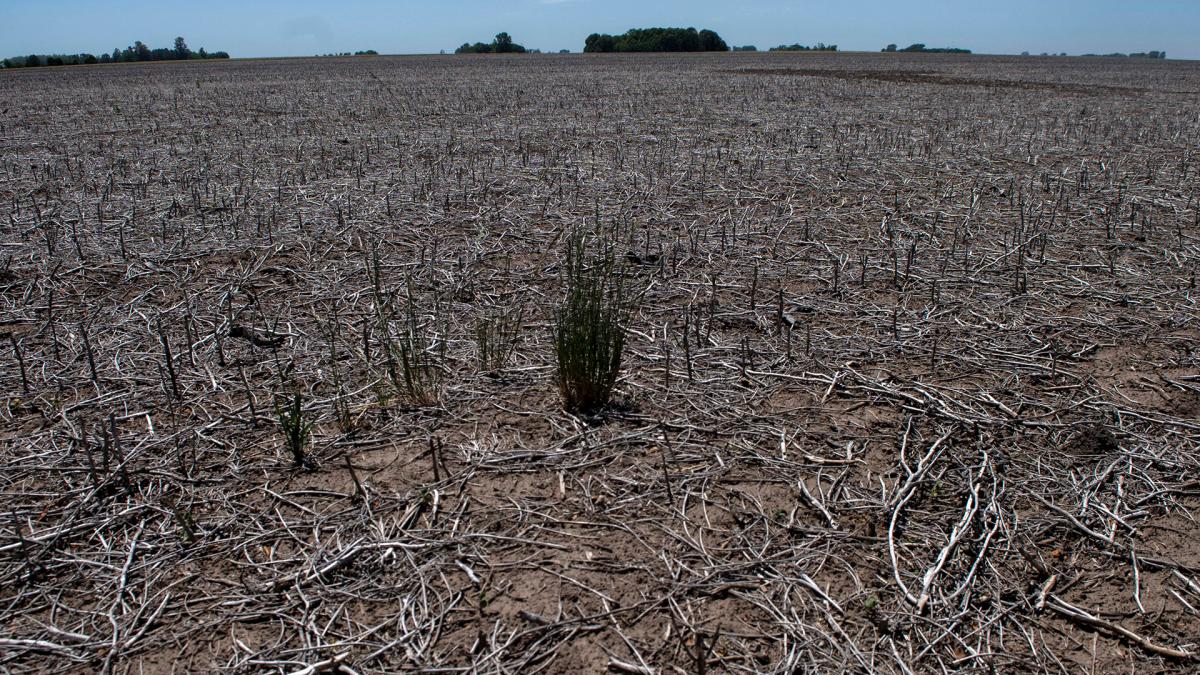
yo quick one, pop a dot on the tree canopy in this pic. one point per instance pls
(1135, 55)
(503, 44)
(819, 47)
(137, 52)
(657, 40)
(920, 48)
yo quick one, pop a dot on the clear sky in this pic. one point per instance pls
(305, 27)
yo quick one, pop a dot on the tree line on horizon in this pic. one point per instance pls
(503, 44)
(656, 40)
(920, 48)
(136, 53)
(819, 47)
(1135, 55)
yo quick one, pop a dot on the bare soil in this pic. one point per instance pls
(936, 409)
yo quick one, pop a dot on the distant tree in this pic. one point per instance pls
(920, 48)
(890, 48)
(597, 43)
(711, 42)
(564, 51)
(746, 48)
(656, 40)
(819, 47)
(139, 51)
(503, 44)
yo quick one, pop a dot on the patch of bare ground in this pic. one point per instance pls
(913, 383)
(939, 78)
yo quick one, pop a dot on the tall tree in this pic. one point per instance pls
(181, 49)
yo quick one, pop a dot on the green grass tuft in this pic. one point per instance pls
(589, 336)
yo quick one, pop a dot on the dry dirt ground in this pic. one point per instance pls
(912, 386)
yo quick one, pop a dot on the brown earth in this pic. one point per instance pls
(936, 410)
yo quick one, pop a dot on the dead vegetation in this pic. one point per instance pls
(911, 384)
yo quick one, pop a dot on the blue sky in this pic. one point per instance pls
(306, 27)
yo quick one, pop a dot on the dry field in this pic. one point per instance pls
(912, 385)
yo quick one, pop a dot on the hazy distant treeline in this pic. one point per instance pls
(138, 52)
(1135, 55)
(656, 40)
(503, 44)
(819, 47)
(920, 48)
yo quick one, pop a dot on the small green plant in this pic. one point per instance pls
(589, 336)
(496, 337)
(413, 356)
(420, 357)
(296, 427)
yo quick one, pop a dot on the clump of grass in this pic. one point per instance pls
(420, 357)
(496, 337)
(589, 336)
(413, 356)
(296, 428)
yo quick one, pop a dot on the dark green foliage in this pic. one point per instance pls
(589, 335)
(711, 42)
(1135, 55)
(920, 48)
(136, 53)
(747, 48)
(656, 40)
(597, 43)
(819, 47)
(890, 48)
(503, 44)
